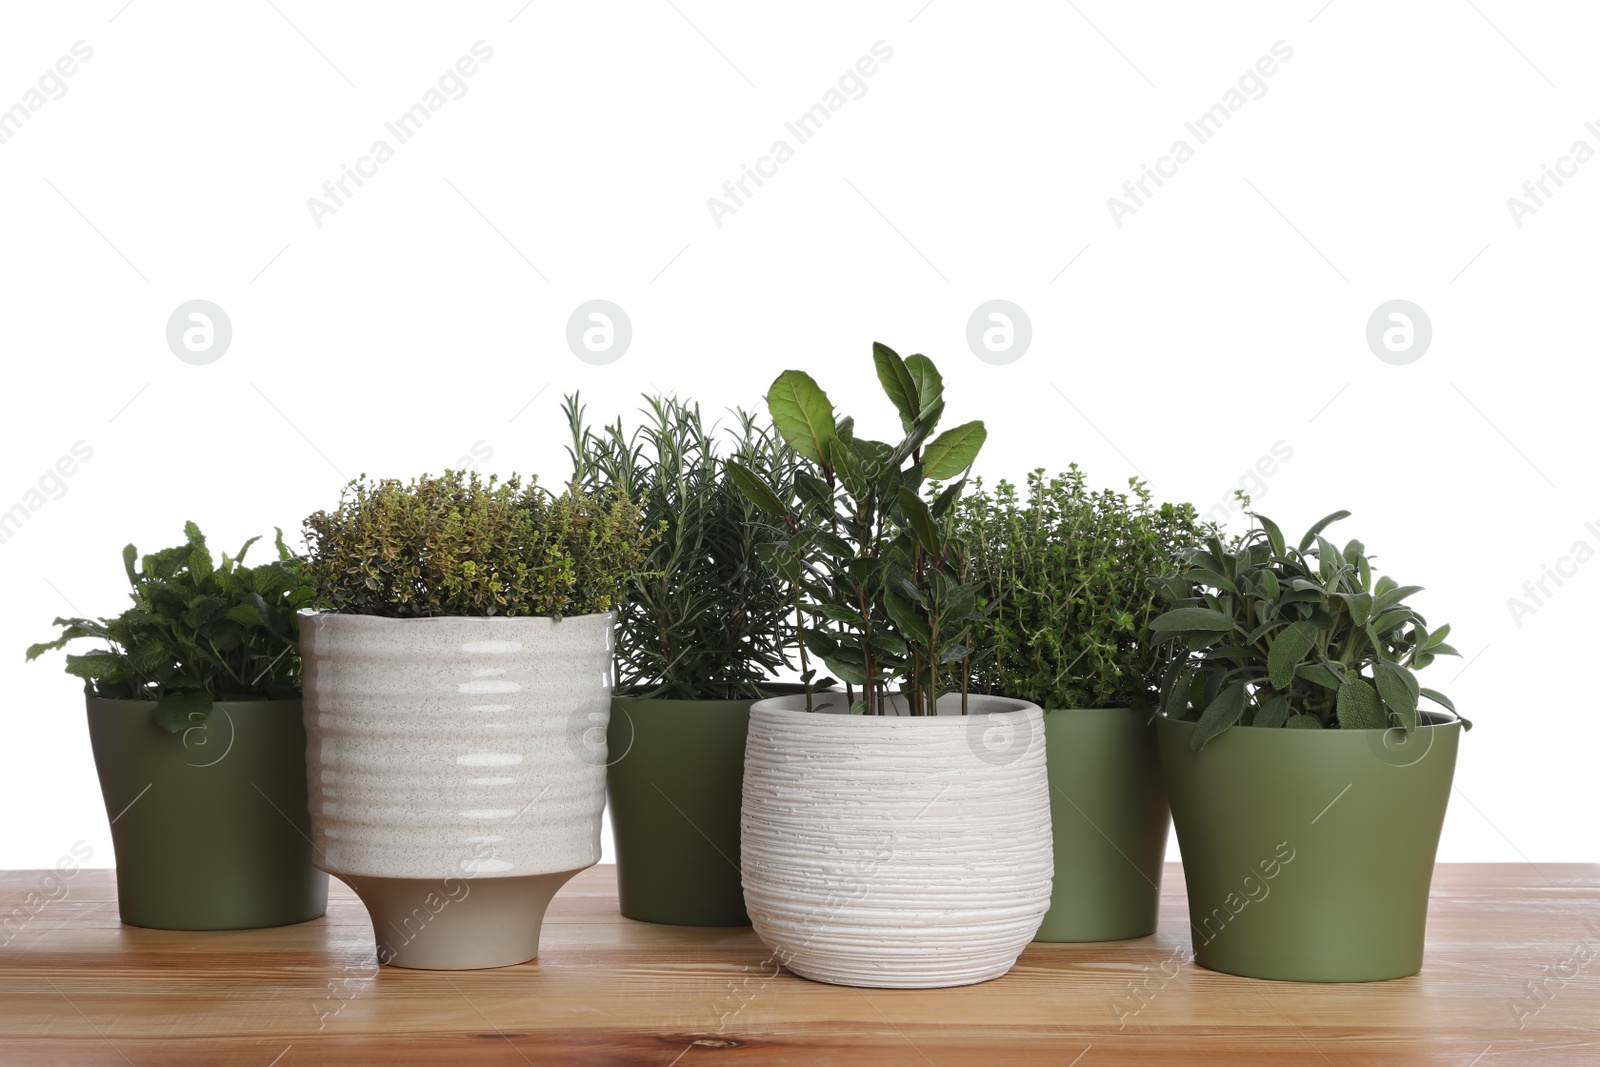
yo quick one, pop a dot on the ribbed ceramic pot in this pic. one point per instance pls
(457, 773)
(1308, 854)
(1108, 812)
(896, 851)
(209, 824)
(676, 769)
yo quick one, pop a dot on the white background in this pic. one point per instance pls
(1225, 316)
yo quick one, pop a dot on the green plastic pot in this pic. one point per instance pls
(673, 785)
(210, 826)
(1109, 818)
(1309, 853)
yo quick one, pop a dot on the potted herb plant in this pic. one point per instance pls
(903, 841)
(704, 629)
(457, 687)
(1067, 574)
(194, 717)
(1307, 785)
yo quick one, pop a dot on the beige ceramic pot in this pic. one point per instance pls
(456, 773)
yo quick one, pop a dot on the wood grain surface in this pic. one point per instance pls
(1512, 977)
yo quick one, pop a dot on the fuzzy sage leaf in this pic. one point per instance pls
(1309, 637)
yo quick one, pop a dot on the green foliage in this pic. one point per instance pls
(458, 545)
(198, 632)
(876, 568)
(1267, 634)
(1068, 575)
(705, 618)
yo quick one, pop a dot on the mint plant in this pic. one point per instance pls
(1265, 634)
(875, 569)
(1067, 574)
(705, 618)
(198, 632)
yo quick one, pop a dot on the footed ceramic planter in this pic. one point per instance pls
(209, 825)
(1108, 812)
(896, 851)
(1308, 854)
(457, 773)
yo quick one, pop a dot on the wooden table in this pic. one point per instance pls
(76, 987)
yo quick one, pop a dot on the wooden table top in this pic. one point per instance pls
(1512, 976)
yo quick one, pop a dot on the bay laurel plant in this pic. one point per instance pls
(458, 544)
(704, 618)
(1264, 633)
(876, 571)
(1068, 574)
(199, 631)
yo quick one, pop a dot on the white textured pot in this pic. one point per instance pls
(456, 773)
(896, 851)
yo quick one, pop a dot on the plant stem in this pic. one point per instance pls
(799, 621)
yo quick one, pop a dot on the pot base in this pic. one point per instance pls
(937, 977)
(457, 924)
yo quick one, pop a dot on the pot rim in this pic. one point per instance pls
(769, 706)
(1443, 717)
(142, 703)
(777, 689)
(358, 618)
(685, 700)
(1085, 709)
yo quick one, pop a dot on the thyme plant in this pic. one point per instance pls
(457, 544)
(1068, 573)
